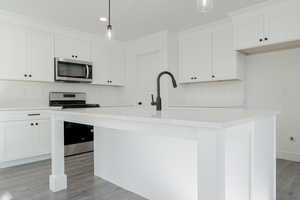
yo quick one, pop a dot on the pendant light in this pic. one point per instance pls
(109, 26)
(205, 5)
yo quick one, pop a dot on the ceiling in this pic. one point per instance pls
(130, 18)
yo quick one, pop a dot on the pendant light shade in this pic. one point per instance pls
(109, 33)
(205, 5)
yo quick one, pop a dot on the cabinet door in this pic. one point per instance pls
(283, 23)
(64, 47)
(82, 49)
(195, 56)
(72, 48)
(109, 63)
(43, 129)
(20, 140)
(248, 32)
(224, 55)
(100, 59)
(116, 64)
(13, 52)
(41, 56)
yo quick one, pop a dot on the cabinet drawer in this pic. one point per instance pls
(6, 116)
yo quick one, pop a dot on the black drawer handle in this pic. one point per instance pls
(34, 114)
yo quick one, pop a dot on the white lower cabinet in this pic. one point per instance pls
(24, 139)
(20, 140)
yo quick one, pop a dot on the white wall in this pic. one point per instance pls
(137, 52)
(273, 83)
(18, 93)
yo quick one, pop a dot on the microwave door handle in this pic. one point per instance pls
(87, 71)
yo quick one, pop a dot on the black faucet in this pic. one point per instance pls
(158, 98)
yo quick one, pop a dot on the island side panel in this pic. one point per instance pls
(264, 159)
(58, 179)
(210, 164)
(238, 162)
(156, 167)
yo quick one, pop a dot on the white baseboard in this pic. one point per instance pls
(289, 156)
(24, 161)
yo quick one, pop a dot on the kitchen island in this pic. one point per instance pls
(178, 153)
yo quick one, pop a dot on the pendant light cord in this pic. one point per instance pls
(109, 12)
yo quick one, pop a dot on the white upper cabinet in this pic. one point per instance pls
(72, 48)
(282, 23)
(108, 63)
(41, 66)
(208, 55)
(195, 56)
(25, 54)
(100, 59)
(249, 32)
(13, 52)
(273, 26)
(117, 64)
(227, 62)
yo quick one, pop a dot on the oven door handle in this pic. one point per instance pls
(87, 72)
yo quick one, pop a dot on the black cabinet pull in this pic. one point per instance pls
(266, 38)
(25, 75)
(36, 124)
(213, 76)
(195, 78)
(34, 114)
(260, 40)
(30, 75)
(31, 124)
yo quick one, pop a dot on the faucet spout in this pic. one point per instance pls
(158, 98)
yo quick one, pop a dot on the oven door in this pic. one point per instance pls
(73, 70)
(78, 138)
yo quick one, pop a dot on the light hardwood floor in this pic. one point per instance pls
(30, 182)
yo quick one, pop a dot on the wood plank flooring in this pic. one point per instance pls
(288, 180)
(30, 182)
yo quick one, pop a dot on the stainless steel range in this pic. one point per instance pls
(79, 138)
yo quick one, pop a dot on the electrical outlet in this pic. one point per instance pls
(292, 139)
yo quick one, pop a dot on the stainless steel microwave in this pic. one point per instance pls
(68, 70)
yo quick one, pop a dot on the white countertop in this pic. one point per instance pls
(202, 117)
(26, 107)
